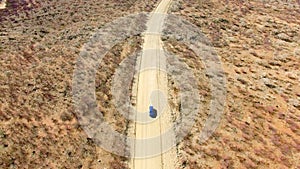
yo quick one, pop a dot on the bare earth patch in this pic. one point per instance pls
(40, 41)
(256, 42)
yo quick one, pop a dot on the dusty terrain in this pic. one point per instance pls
(258, 44)
(40, 41)
(149, 80)
(257, 41)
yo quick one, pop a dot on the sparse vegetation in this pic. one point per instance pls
(38, 50)
(256, 43)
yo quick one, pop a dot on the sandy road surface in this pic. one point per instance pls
(152, 89)
(2, 4)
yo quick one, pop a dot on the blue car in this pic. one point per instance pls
(152, 112)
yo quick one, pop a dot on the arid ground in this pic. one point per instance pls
(258, 43)
(40, 41)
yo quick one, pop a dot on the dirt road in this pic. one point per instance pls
(3, 4)
(152, 89)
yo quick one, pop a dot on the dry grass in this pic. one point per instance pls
(256, 42)
(38, 50)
